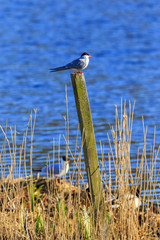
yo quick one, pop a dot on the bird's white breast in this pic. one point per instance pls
(64, 170)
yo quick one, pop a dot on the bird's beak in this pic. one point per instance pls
(90, 56)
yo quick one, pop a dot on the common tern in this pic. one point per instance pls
(131, 200)
(56, 169)
(77, 64)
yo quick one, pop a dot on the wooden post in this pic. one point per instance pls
(88, 139)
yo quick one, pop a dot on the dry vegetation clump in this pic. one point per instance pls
(42, 209)
(58, 209)
(55, 209)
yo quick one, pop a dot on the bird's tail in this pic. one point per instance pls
(59, 69)
(36, 169)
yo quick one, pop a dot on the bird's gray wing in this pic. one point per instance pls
(76, 64)
(59, 69)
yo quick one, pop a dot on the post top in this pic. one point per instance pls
(77, 73)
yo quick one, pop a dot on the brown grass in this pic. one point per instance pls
(56, 209)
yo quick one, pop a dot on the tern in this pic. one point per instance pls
(77, 64)
(131, 200)
(57, 169)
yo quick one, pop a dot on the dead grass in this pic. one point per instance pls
(56, 209)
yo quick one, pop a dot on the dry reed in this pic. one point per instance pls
(57, 209)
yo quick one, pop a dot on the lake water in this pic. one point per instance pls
(124, 39)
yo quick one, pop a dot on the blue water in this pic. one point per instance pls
(124, 39)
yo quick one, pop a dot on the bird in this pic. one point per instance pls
(57, 169)
(77, 64)
(131, 200)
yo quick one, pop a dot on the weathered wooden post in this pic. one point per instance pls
(89, 143)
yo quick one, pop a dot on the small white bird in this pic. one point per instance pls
(77, 65)
(56, 169)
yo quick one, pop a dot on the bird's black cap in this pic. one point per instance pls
(65, 158)
(84, 54)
